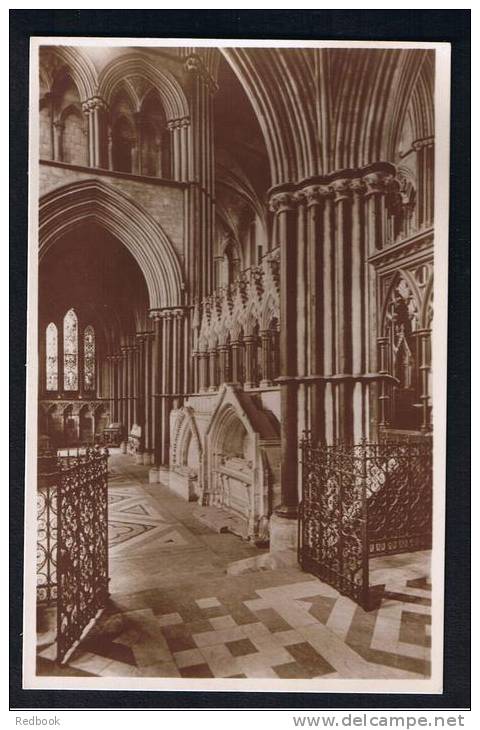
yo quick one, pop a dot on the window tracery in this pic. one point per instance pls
(52, 357)
(405, 358)
(70, 351)
(74, 367)
(89, 358)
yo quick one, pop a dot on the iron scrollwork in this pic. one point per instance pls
(359, 502)
(72, 542)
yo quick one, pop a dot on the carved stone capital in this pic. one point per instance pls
(96, 103)
(195, 65)
(315, 194)
(155, 314)
(282, 202)
(342, 189)
(173, 124)
(377, 183)
(358, 186)
(425, 142)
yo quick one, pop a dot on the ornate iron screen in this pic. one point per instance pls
(46, 533)
(72, 542)
(359, 502)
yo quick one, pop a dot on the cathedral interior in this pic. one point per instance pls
(235, 268)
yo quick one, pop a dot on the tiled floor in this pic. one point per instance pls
(174, 612)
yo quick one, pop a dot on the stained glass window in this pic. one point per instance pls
(52, 357)
(89, 358)
(70, 351)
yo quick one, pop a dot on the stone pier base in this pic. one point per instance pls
(153, 475)
(283, 533)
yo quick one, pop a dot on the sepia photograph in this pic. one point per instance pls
(236, 382)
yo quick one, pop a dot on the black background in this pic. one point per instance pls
(414, 25)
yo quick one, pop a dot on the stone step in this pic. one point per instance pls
(220, 520)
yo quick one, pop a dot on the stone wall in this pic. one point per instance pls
(163, 201)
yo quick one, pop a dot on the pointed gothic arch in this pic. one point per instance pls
(137, 66)
(64, 208)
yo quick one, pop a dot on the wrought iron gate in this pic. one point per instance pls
(73, 543)
(360, 502)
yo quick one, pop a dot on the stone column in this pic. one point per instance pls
(178, 148)
(250, 361)
(110, 148)
(266, 340)
(136, 384)
(203, 371)
(328, 320)
(224, 374)
(116, 409)
(283, 523)
(424, 341)
(111, 387)
(201, 200)
(195, 374)
(425, 177)
(342, 199)
(156, 433)
(358, 297)
(376, 391)
(131, 386)
(237, 352)
(212, 369)
(383, 369)
(58, 128)
(125, 391)
(310, 297)
(148, 374)
(95, 110)
(167, 381)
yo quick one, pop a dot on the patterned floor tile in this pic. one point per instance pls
(222, 622)
(241, 647)
(308, 658)
(175, 612)
(168, 619)
(272, 620)
(220, 660)
(207, 602)
(188, 658)
(198, 671)
(178, 638)
(292, 670)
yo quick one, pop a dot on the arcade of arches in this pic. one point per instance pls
(236, 246)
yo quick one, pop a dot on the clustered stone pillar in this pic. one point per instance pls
(168, 384)
(124, 399)
(111, 360)
(266, 340)
(202, 358)
(282, 535)
(237, 366)
(58, 128)
(156, 388)
(130, 387)
(425, 175)
(118, 388)
(326, 230)
(181, 158)
(224, 363)
(201, 169)
(250, 361)
(95, 110)
(212, 369)
(148, 406)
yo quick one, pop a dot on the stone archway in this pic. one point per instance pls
(64, 208)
